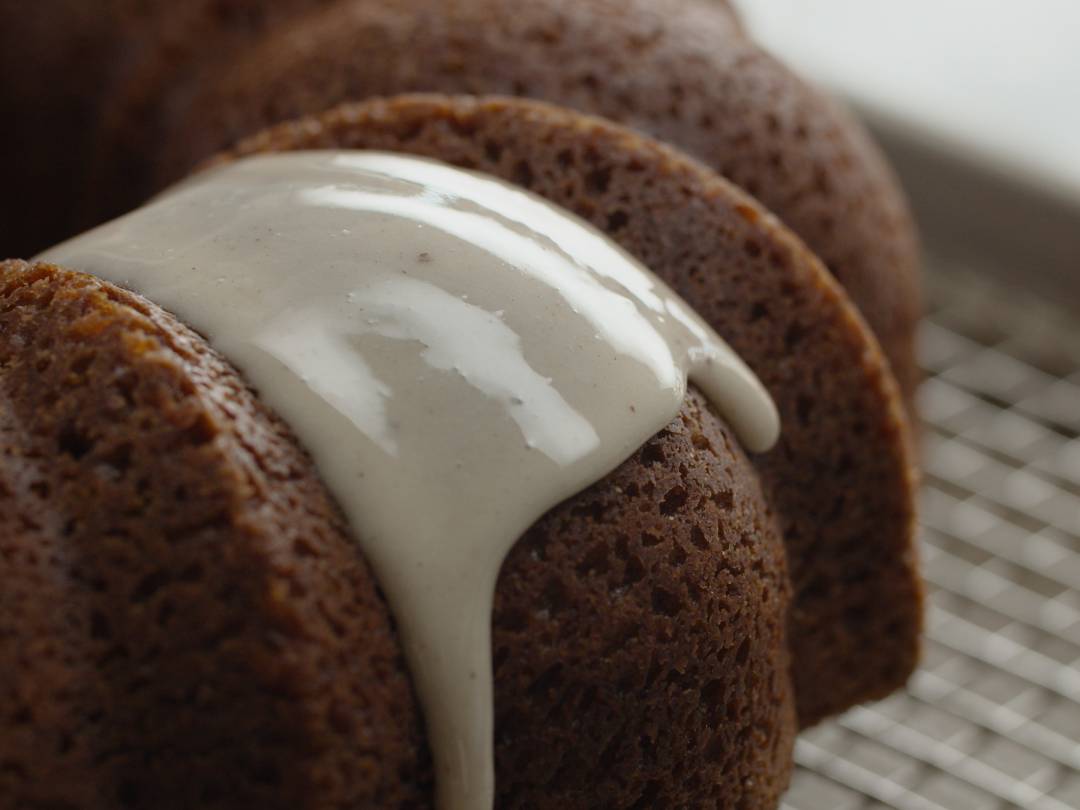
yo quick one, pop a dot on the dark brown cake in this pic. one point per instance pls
(192, 78)
(60, 62)
(841, 478)
(183, 621)
(186, 623)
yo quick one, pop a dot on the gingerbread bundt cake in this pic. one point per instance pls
(189, 620)
(141, 92)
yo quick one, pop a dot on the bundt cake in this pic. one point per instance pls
(188, 617)
(137, 93)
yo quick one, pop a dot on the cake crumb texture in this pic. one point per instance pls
(139, 92)
(841, 478)
(185, 621)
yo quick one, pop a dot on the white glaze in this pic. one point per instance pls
(458, 356)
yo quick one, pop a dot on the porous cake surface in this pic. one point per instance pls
(190, 623)
(841, 478)
(186, 622)
(142, 91)
(183, 620)
(682, 71)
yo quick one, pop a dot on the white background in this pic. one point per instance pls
(997, 79)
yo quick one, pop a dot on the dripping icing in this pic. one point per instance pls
(436, 337)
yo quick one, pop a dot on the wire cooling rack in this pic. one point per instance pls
(992, 718)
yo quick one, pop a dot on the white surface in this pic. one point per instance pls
(998, 80)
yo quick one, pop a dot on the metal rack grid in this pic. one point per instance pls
(992, 718)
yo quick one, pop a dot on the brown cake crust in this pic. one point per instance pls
(666, 577)
(682, 71)
(62, 61)
(55, 61)
(182, 623)
(198, 76)
(186, 623)
(645, 619)
(840, 479)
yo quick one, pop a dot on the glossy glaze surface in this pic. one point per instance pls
(457, 355)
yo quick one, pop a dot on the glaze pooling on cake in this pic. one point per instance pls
(160, 519)
(432, 336)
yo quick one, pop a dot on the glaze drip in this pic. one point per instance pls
(457, 355)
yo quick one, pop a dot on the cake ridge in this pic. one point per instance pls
(676, 559)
